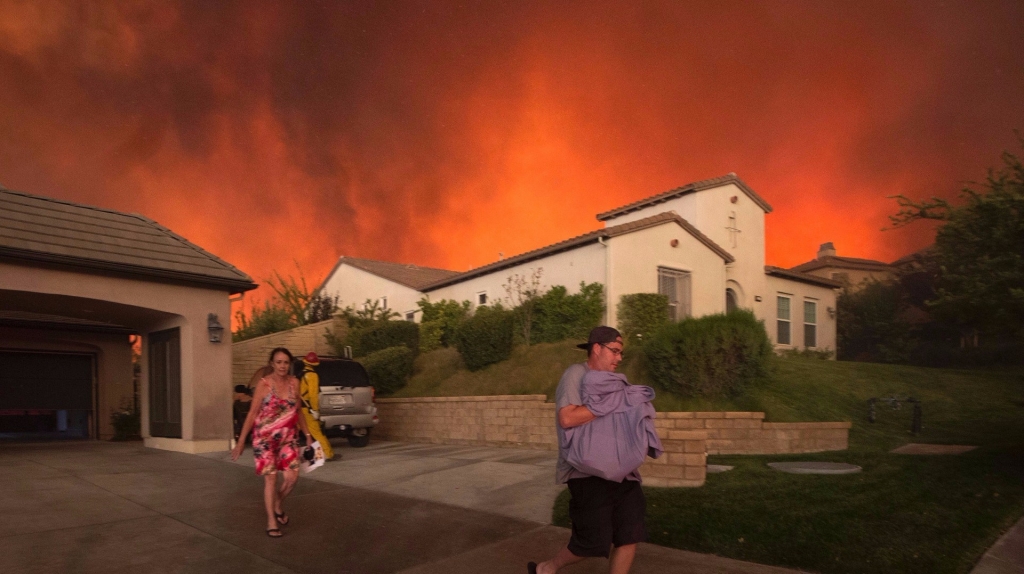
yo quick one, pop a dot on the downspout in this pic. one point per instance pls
(607, 280)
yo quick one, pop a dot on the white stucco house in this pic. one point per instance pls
(701, 244)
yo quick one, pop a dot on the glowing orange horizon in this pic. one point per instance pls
(295, 134)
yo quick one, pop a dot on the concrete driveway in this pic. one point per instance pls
(109, 507)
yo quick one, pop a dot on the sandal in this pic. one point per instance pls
(282, 519)
(271, 531)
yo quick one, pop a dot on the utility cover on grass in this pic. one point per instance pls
(815, 467)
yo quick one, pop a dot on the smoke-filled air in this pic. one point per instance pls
(443, 133)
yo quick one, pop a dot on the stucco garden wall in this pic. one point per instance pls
(251, 354)
(527, 421)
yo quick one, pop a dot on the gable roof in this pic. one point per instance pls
(838, 262)
(412, 276)
(45, 230)
(581, 240)
(801, 277)
(684, 190)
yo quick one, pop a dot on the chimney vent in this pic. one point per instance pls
(826, 249)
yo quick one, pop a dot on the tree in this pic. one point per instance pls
(522, 293)
(979, 249)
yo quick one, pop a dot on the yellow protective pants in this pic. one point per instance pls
(318, 435)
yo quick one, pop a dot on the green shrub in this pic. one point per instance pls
(558, 316)
(447, 314)
(389, 369)
(430, 336)
(385, 334)
(715, 355)
(486, 337)
(641, 315)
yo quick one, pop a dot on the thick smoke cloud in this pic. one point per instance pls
(442, 133)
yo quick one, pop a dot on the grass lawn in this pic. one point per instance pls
(928, 514)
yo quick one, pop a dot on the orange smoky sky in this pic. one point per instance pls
(444, 133)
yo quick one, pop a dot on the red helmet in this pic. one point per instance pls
(311, 359)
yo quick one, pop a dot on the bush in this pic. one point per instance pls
(389, 369)
(486, 337)
(715, 355)
(447, 315)
(385, 334)
(641, 315)
(870, 327)
(558, 316)
(430, 336)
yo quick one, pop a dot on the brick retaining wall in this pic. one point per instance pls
(527, 421)
(747, 433)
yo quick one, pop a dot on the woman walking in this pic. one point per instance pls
(274, 419)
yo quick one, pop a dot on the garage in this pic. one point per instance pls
(46, 395)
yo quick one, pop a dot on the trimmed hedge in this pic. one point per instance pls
(486, 337)
(389, 369)
(430, 336)
(558, 316)
(385, 334)
(445, 316)
(710, 356)
(642, 314)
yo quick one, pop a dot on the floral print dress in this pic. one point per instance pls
(274, 440)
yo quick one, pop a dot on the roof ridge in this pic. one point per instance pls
(572, 242)
(699, 185)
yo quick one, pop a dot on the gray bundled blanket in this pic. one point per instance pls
(615, 443)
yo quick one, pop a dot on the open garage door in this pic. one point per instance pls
(46, 394)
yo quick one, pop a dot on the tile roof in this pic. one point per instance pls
(407, 274)
(584, 239)
(686, 189)
(45, 230)
(842, 263)
(801, 277)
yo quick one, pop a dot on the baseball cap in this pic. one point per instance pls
(602, 334)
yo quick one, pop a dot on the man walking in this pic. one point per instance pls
(607, 517)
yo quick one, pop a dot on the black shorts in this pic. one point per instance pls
(604, 513)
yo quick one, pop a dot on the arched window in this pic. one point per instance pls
(730, 300)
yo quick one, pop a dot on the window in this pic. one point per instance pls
(730, 300)
(675, 285)
(384, 303)
(733, 230)
(481, 298)
(782, 313)
(810, 323)
(410, 316)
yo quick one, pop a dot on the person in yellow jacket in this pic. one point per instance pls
(309, 390)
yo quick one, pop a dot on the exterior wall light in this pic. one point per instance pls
(831, 312)
(757, 298)
(214, 327)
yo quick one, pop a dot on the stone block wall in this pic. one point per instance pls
(747, 433)
(528, 421)
(251, 354)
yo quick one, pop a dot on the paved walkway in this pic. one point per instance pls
(108, 507)
(1006, 556)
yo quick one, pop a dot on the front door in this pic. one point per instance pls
(165, 383)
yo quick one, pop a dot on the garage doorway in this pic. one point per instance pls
(47, 395)
(165, 383)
